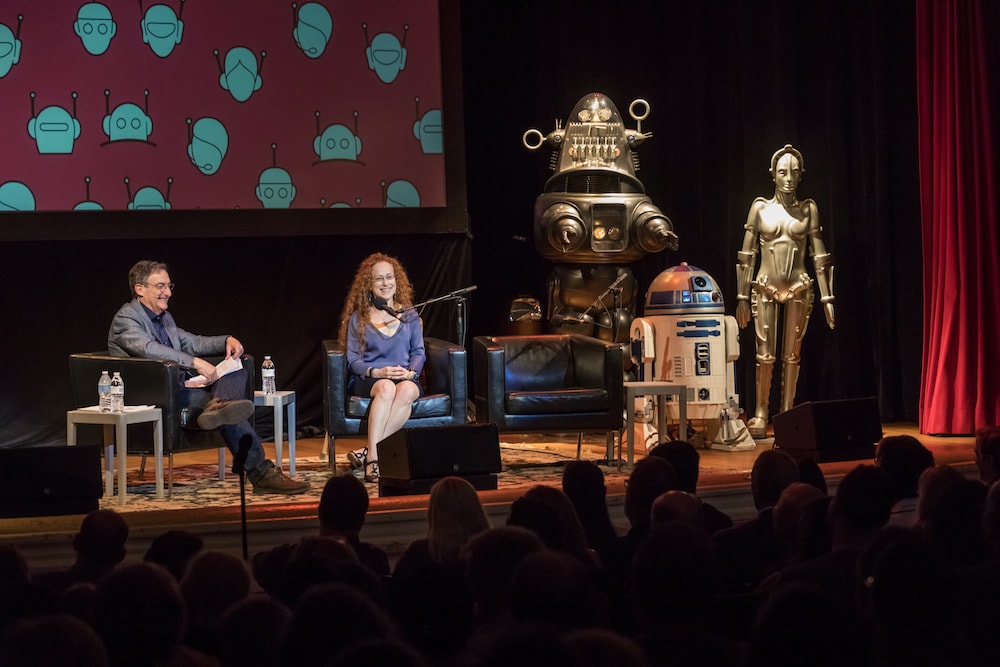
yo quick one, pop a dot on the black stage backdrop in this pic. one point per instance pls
(727, 83)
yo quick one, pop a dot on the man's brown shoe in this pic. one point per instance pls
(219, 413)
(274, 481)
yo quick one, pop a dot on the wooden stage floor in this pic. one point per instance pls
(394, 521)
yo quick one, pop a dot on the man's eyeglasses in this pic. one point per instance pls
(161, 287)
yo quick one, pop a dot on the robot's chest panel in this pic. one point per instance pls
(778, 223)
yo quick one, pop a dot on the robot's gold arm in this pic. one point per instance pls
(823, 263)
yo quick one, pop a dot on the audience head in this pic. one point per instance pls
(454, 516)
(343, 506)
(673, 575)
(52, 641)
(810, 473)
(491, 558)
(213, 582)
(991, 520)
(954, 525)
(565, 533)
(680, 506)
(988, 454)
(555, 590)
(13, 567)
(862, 503)
(905, 458)
(771, 473)
(173, 550)
(139, 613)
(101, 540)
(314, 560)
(934, 482)
(683, 456)
(250, 632)
(789, 511)
(583, 483)
(650, 478)
(598, 647)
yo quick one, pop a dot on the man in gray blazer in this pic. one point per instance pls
(143, 328)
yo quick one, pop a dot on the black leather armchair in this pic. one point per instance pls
(148, 382)
(444, 402)
(537, 383)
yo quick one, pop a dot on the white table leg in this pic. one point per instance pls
(291, 438)
(158, 455)
(278, 433)
(121, 440)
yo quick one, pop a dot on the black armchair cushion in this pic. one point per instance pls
(556, 401)
(443, 378)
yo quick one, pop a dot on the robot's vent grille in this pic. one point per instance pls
(594, 183)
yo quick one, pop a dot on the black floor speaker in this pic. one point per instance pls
(412, 459)
(50, 481)
(843, 430)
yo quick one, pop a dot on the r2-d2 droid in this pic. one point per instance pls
(686, 338)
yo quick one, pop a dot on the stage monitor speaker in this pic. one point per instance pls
(50, 481)
(412, 459)
(843, 430)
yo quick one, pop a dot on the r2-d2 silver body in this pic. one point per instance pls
(686, 338)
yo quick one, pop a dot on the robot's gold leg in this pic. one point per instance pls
(765, 316)
(797, 314)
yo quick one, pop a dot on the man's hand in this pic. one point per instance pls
(207, 369)
(234, 348)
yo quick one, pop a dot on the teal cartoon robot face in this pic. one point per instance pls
(16, 196)
(209, 142)
(127, 121)
(337, 143)
(162, 29)
(275, 189)
(386, 56)
(95, 27)
(54, 129)
(313, 26)
(240, 75)
(401, 194)
(149, 199)
(10, 48)
(427, 130)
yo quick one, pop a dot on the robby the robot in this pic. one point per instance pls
(594, 217)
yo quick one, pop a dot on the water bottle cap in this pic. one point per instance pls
(267, 356)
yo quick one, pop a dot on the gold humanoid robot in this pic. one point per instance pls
(781, 230)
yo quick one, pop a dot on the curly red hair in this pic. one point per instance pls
(359, 296)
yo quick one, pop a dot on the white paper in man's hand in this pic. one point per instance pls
(224, 367)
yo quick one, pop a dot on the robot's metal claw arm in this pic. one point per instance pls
(635, 137)
(824, 276)
(745, 262)
(533, 139)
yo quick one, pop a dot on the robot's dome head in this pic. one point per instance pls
(312, 29)
(88, 206)
(337, 143)
(684, 289)
(386, 56)
(148, 199)
(275, 189)
(95, 27)
(428, 131)
(54, 130)
(240, 74)
(16, 196)
(595, 108)
(162, 30)
(127, 121)
(10, 49)
(787, 149)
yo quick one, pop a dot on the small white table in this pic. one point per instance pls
(277, 400)
(661, 390)
(116, 435)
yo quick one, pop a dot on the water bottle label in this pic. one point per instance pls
(267, 372)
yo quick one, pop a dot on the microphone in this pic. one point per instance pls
(383, 305)
(464, 290)
(558, 318)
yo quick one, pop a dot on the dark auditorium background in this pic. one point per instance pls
(728, 82)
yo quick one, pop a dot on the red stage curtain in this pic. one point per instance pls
(961, 280)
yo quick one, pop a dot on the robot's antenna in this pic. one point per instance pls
(260, 68)
(140, 6)
(180, 12)
(170, 182)
(32, 96)
(146, 95)
(218, 61)
(385, 191)
(20, 20)
(86, 186)
(74, 96)
(190, 130)
(406, 30)
(355, 123)
(128, 188)
(364, 28)
(295, 13)
(107, 102)
(416, 101)
(274, 155)
(317, 122)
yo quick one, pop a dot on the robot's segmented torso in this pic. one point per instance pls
(783, 237)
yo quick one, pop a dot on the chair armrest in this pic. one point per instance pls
(490, 379)
(446, 373)
(334, 370)
(599, 364)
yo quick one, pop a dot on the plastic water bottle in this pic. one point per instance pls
(267, 375)
(117, 393)
(104, 392)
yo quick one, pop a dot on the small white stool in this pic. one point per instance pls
(277, 400)
(661, 390)
(118, 422)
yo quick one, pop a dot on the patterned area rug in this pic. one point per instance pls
(198, 486)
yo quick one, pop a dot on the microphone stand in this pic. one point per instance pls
(239, 468)
(459, 297)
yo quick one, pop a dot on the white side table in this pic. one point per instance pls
(118, 422)
(661, 390)
(277, 400)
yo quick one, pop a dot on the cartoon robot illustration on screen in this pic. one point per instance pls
(274, 186)
(239, 72)
(386, 53)
(148, 198)
(312, 27)
(162, 29)
(54, 129)
(10, 46)
(685, 337)
(337, 142)
(96, 27)
(127, 122)
(594, 217)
